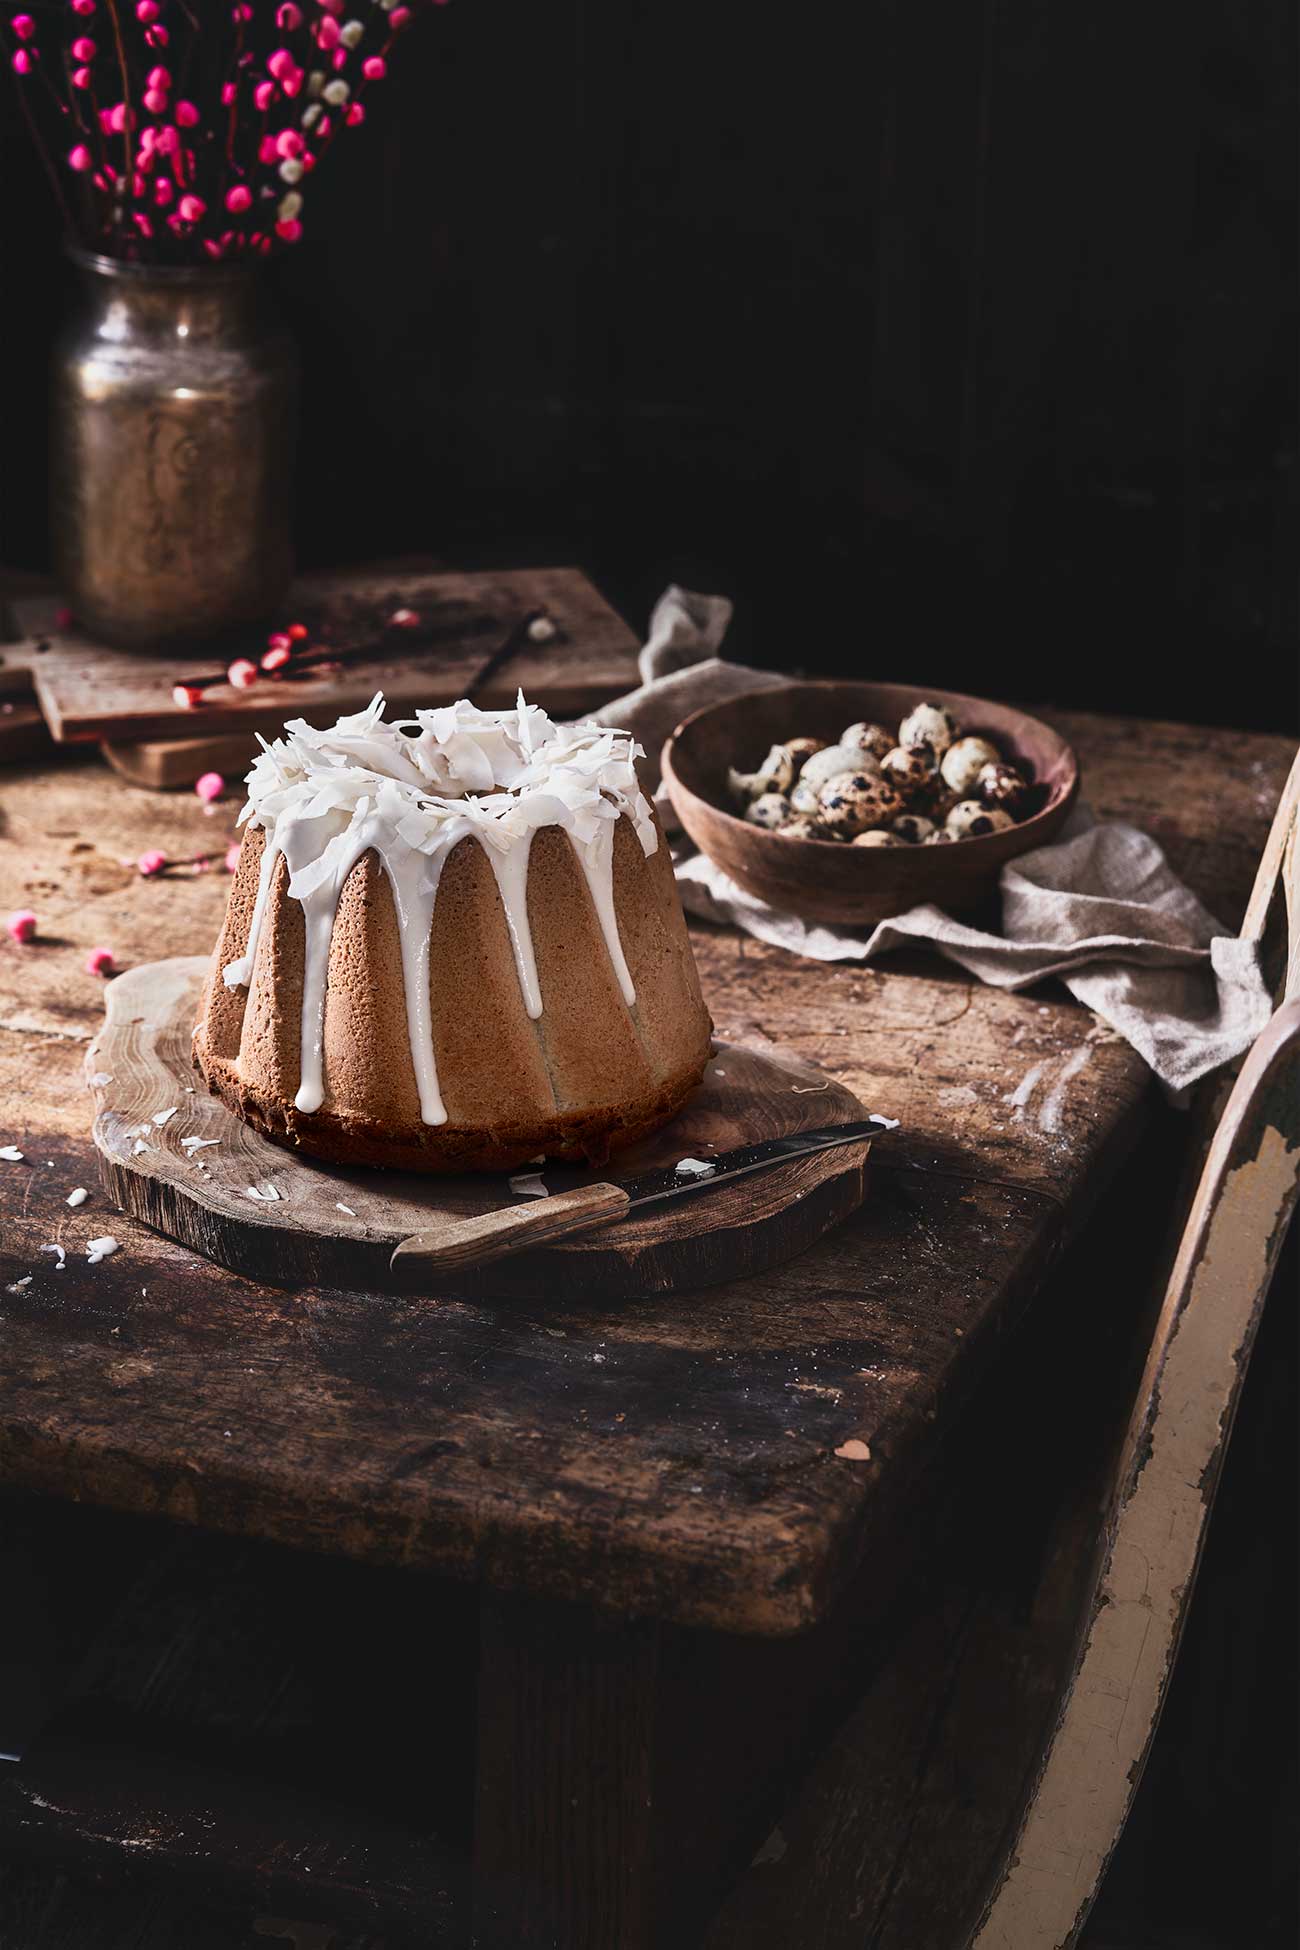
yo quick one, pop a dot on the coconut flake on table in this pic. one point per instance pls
(99, 1079)
(339, 1206)
(161, 1117)
(267, 1193)
(886, 1123)
(140, 1146)
(19, 1285)
(97, 1249)
(528, 1184)
(694, 1168)
(11, 1154)
(192, 1144)
(77, 1197)
(62, 1254)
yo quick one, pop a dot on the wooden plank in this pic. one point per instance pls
(564, 1807)
(168, 765)
(487, 1441)
(89, 692)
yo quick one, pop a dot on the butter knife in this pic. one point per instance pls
(460, 1245)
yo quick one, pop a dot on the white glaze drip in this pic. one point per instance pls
(409, 793)
(597, 862)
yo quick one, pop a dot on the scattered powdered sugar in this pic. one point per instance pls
(528, 1184)
(78, 1197)
(1049, 1117)
(11, 1154)
(267, 1193)
(1024, 1090)
(694, 1168)
(98, 1249)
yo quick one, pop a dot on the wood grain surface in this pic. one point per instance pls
(212, 1182)
(675, 1455)
(88, 692)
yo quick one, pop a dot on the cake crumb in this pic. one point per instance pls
(854, 1450)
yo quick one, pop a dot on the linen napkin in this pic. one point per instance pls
(1101, 908)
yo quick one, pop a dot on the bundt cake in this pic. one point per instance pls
(452, 943)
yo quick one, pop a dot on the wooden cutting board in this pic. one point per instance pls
(327, 1225)
(89, 692)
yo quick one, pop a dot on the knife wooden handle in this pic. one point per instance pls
(458, 1245)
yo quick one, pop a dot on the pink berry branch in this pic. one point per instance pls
(188, 137)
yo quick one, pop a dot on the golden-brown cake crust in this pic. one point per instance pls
(590, 1074)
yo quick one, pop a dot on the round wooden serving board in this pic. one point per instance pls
(139, 1067)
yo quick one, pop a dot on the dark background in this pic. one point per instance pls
(953, 338)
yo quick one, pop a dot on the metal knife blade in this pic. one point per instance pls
(670, 1181)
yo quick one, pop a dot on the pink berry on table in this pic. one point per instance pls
(188, 696)
(21, 925)
(242, 673)
(151, 862)
(209, 786)
(100, 961)
(232, 856)
(276, 657)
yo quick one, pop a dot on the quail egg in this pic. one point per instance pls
(928, 724)
(878, 836)
(963, 762)
(913, 828)
(830, 762)
(857, 802)
(1004, 786)
(866, 737)
(969, 820)
(911, 771)
(770, 809)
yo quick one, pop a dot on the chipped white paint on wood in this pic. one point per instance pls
(1095, 1758)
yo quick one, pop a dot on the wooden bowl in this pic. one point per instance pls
(824, 880)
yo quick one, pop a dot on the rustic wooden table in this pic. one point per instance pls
(613, 1522)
